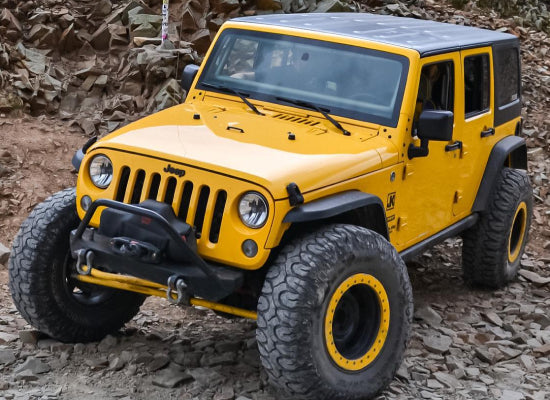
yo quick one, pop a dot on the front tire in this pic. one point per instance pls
(492, 249)
(40, 281)
(334, 315)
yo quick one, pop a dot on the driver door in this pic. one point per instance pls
(429, 184)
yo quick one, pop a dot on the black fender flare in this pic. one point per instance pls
(510, 151)
(79, 155)
(336, 204)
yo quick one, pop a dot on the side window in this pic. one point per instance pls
(507, 75)
(436, 88)
(477, 83)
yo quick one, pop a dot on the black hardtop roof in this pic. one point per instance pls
(426, 37)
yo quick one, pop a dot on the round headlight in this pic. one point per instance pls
(101, 171)
(253, 210)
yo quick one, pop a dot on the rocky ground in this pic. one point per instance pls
(466, 344)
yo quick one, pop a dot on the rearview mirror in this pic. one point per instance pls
(188, 76)
(436, 125)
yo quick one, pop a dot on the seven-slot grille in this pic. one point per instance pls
(190, 201)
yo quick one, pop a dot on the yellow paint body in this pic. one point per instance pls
(428, 193)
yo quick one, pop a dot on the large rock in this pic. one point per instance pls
(9, 103)
(6, 357)
(102, 8)
(145, 30)
(101, 38)
(140, 19)
(11, 25)
(6, 337)
(429, 315)
(201, 40)
(8, 20)
(170, 94)
(34, 61)
(437, 344)
(171, 377)
(534, 277)
(44, 36)
(34, 365)
(69, 41)
(224, 6)
(332, 6)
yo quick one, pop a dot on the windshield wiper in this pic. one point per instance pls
(241, 95)
(315, 107)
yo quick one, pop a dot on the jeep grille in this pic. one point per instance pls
(178, 193)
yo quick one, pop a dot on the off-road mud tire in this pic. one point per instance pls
(293, 306)
(37, 278)
(486, 246)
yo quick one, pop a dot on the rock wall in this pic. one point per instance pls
(98, 63)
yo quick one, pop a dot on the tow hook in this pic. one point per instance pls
(84, 258)
(176, 285)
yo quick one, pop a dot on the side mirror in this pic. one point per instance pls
(432, 125)
(436, 125)
(188, 76)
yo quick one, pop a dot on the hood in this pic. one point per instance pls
(253, 147)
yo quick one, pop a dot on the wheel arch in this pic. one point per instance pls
(508, 152)
(351, 207)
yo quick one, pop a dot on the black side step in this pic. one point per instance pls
(439, 237)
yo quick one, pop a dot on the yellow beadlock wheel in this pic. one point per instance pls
(517, 233)
(357, 322)
(325, 330)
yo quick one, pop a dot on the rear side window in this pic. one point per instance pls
(507, 75)
(477, 83)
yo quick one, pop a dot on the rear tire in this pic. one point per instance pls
(492, 249)
(334, 315)
(42, 289)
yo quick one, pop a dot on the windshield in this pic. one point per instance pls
(345, 80)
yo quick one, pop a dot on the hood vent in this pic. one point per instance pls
(296, 119)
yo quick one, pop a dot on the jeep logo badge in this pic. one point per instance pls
(175, 171)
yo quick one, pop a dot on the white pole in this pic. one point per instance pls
(164, 20)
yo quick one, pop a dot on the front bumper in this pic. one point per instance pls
(136, 258)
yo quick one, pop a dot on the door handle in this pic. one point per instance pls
(455, 146)
(488, 132)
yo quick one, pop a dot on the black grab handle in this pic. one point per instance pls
(455, 146)
(488, 132)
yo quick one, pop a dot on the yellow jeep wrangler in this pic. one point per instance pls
(313, 155)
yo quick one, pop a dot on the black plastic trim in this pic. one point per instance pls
(79, 155)
(205, 280)
(506, 112)
(451, 49)
(331, 206)
(295, 196)
(511, 146)
(77, 159)
(446, 233)
(188, 76)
